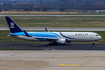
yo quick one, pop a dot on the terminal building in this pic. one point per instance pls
(99, 11)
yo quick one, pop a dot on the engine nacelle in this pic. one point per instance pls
(62, 41)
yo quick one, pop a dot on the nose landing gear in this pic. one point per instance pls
(93, 43)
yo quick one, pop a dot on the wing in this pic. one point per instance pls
(46, 30)
(37, 37)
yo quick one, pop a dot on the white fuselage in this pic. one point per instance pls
(81, 36)
(70, 36)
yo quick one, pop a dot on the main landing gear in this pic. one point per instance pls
(53, 43)
(93, 43)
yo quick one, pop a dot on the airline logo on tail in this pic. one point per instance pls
(12, 25)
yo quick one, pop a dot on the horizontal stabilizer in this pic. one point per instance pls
(27, 34)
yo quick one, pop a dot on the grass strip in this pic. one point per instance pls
(57, 21)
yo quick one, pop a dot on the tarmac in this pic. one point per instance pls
(46, 46)
(41, 56)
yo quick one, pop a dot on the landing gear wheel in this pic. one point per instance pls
(93, 43)
(53, 43)
(50, 43)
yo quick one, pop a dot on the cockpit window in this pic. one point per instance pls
(97, 35)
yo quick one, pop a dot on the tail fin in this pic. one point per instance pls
(12, 25)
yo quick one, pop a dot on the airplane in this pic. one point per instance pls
(52, 37)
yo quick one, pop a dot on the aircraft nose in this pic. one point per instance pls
(100, 37)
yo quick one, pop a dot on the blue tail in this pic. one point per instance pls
(12, 25)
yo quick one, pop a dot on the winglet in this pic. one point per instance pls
(12, 25)
(27, 34)
(46, 30)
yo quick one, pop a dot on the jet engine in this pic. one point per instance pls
(62, 41)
